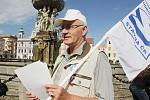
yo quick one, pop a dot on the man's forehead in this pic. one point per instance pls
(66, 22)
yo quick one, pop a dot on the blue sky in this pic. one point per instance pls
(101, 14)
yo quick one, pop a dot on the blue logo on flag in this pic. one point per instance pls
(137, 29)
(137, 25)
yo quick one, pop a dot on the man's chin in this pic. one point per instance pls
(67, 43)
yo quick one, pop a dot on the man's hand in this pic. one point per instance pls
(31, 96)
(57, 92)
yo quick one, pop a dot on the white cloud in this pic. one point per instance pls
(15, 11)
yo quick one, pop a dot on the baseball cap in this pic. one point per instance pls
(71, 15)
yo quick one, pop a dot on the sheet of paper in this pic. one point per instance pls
(34, 77)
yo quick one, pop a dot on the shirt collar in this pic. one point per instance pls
(77, 52)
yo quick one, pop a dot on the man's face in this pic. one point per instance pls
(73, 32)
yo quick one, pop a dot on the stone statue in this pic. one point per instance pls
(44, 19)
(39, 48)
(52, 19)
(45, 40)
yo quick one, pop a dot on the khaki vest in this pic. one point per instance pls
(82, 83)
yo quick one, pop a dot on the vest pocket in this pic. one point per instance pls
(80, 80)
(80, 85)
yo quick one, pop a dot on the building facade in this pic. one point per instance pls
(24, 46)
(24, 49)
(2, 41)
(90, 41)
(8, 46)
(110, 52)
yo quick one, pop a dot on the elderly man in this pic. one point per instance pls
(94, 79)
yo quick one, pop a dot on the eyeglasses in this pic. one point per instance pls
(70, 27)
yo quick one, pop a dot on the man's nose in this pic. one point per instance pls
(65, 31)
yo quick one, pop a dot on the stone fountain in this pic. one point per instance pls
(46, 40)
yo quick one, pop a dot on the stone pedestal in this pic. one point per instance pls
(45, 47)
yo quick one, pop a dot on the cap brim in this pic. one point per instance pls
(59, 22)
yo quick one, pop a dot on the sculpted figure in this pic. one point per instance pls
(44, 19)
(53, 15)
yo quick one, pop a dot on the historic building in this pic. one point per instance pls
(24, 46)
(2, 41)
(110, 52)
(8, 46)
(90, 41)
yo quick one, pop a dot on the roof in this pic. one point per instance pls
(90, 40)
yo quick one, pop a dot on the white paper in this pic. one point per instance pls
(34, 77)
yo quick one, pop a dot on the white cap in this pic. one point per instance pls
(71, 15)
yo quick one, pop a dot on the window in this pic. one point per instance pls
(19, 35)
(18, 50)
(109, 42)
(108, 54)
(30, 44)
(30, 51)
(24, 56)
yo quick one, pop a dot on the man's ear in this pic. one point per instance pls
(85, 31)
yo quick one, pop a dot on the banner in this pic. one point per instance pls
(130, 37)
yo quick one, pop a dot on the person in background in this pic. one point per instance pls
(140, 86)
(93, 81)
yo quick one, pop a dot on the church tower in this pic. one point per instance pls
(21, 33)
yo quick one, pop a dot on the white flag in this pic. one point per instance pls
(130, 38)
